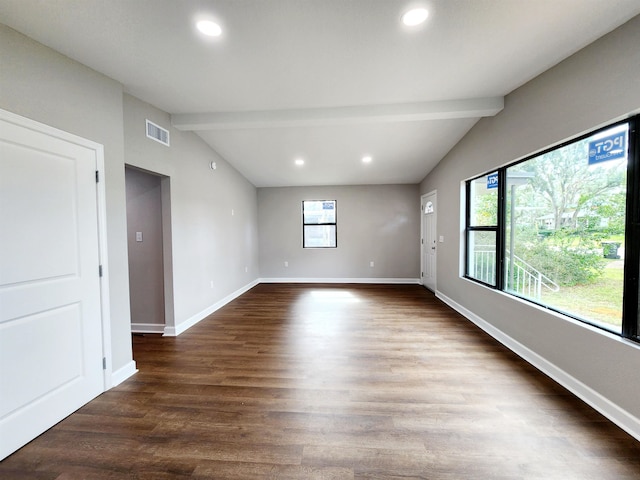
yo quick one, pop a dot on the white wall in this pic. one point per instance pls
(379, 223)
(593, 87)
(213, 214)
(39, 83)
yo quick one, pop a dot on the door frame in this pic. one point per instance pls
(101, 203)
(168, 328)
(423, 199)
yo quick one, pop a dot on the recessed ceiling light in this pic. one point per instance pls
(366, 159)
(299, 161)
(209, 28)
(415, 17)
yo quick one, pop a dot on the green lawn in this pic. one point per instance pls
(600, 301)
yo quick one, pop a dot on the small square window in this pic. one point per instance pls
(319, 227)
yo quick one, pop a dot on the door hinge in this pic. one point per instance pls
(97, 176)
(104, 363)
(100, 270)
(422, 274)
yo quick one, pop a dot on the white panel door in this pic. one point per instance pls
(429, 250)
(50, 316)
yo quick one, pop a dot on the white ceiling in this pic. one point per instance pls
(325, 80)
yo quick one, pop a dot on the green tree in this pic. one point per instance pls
(569, 185)
(613, 209)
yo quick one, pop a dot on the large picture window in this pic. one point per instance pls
(559, 229)
(319, 226)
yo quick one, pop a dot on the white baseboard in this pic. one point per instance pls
(606, 407)
(342, 280)
(147, 328)
(123, 373)
(190, 322)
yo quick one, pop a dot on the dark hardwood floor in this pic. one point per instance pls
(331, 382)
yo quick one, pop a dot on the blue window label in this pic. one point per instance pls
(492, 180)
(608, 148)
(327, 205)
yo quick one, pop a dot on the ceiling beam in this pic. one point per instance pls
(399, 112)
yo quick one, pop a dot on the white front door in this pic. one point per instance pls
(429, 244)
(50, 313)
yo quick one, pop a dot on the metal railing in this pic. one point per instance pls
(526, 280)
(521, 279)
(484, 265)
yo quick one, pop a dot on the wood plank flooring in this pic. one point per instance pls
(331, 382)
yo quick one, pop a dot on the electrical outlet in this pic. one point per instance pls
(138, 236)
(371, 263)
(286, 264)
(211, 283)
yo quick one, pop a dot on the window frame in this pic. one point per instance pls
(334, 224)
(485, 228)
(631, 296)
(631, 285)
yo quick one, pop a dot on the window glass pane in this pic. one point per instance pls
(316, 212)
(481, 263)
(319, 236)
(484, 201)
(565, 219)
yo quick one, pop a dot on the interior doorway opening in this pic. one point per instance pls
(149, 250)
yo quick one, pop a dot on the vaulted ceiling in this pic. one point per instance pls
(326, 81)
